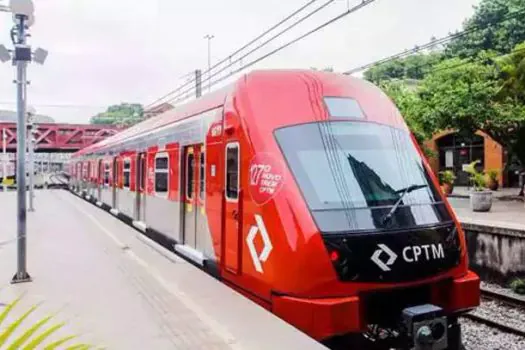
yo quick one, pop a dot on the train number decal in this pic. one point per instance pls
(266, 178)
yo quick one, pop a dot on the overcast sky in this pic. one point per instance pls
(105, 52)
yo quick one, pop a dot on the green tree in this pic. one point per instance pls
(460, 94)
(409, 104)
(123, 114)
(491, 29)
(512, 74)
(412, 67)
(468, 96)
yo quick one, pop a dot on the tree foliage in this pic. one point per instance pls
(476, 83)
(123, 114)
(411, 67)
(496, 25)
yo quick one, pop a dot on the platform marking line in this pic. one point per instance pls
(201, 314)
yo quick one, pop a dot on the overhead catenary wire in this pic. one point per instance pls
(432, 43)
(363, 4)
(230, 56)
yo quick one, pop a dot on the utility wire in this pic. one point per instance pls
(430, 44)
(364, 3)
(229, 57)
(265, 43)
(473, 59)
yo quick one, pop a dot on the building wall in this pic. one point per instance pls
(493, 153)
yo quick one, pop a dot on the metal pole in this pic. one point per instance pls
(209, 64)
(31, 164)
(21, 66)
(209, 37)
(4, 160)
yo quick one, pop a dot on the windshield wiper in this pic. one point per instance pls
(396, 206)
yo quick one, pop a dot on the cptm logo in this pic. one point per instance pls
(258, 259)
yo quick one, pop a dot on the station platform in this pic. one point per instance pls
(116, 289)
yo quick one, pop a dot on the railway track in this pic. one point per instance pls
(504, 299)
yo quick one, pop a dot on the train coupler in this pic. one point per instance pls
(426, 327)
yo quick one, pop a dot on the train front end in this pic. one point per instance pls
(370, 244)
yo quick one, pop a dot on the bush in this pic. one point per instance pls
(492, 174)
(477, 177)
(518, 286)
(447, 177)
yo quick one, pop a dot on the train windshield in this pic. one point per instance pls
(361, 176)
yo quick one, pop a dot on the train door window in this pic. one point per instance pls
(126, 173)
(106, 173)
(100, 168)
(202, 175)
(161, 174)
(232, 171)
(190, 179)
(115, 172)
(142, 162)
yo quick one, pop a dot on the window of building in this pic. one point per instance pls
(190, 180)
(126, 173)
(232, 171)
(161, 174)
(202, 175)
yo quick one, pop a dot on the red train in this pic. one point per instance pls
(306, 192)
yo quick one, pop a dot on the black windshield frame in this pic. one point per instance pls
(360, 211)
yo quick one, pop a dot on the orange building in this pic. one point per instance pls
(452, 151)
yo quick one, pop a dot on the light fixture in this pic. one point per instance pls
(5, 55)
(40, 56)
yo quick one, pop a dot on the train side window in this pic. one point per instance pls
(190, 180)
(126, 173)
(161, 174)
(106, 173)
(232, 171)
(202, 175)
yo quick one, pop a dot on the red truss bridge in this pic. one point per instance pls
(61, 137)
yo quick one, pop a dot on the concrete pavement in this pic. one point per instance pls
(119, 290)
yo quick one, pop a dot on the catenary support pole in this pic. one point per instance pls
(21, 67)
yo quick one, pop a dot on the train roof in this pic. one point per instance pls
(252, 79)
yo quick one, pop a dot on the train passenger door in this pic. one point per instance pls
(232, 207)
(190, 193)
(115, 182)
(100, 179)
(140, 205)
(88, 178)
